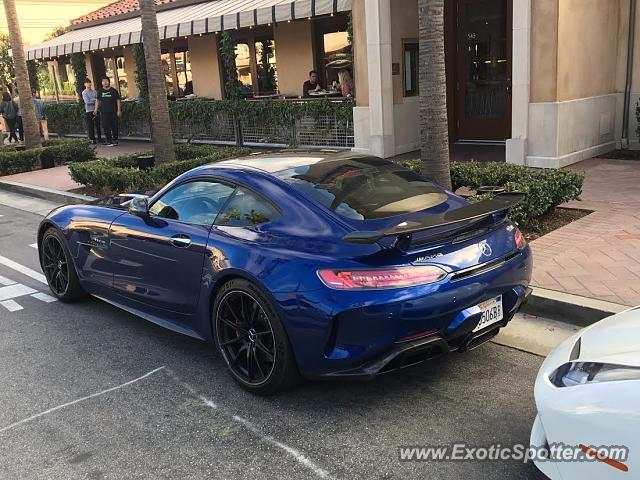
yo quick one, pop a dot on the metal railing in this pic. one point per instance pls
(317, 130)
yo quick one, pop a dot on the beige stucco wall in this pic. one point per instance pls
(360, 66)
(544, 48)
(294, 55)
(205, 67)
(404, 26)
(588, 48)
(578, 48)
(130, 68)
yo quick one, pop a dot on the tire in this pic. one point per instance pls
(242, 318)
(69, 291)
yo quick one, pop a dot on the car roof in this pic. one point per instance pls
(277, 162)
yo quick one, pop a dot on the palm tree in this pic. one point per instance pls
(27, 110)
(162, 135)
(434, 127)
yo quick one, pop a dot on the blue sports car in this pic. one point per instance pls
(305, 265)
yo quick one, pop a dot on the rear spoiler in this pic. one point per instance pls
(501, 203)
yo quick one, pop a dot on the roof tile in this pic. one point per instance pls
(116, 8)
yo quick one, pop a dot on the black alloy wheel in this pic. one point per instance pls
(246, 337)
(55, 265)
(250, 335)
(58, 268)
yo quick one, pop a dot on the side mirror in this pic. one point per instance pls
(139, 207)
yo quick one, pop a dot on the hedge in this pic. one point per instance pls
(119, 175)
(545, 189)
(53, 152)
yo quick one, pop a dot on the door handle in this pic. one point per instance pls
(181, 241)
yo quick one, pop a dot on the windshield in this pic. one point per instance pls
(364, 189)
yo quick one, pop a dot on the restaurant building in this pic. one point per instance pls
(548, 79)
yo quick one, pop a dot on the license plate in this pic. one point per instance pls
(491, 313)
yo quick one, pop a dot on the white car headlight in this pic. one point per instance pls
(580, 373)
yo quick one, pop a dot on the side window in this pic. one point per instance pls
(245, 209)
(194, 202)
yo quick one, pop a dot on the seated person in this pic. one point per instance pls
(311, 85)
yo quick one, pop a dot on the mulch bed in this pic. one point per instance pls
(554, 220)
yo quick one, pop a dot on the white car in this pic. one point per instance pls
(588, 398)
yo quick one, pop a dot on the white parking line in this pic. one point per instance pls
(14, 291)
(6, 281)
(296, 454)
(11, 305)
(34, 245)
(7, 262)
(43, 297)
(88, 397)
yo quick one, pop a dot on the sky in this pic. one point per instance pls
(38, 17)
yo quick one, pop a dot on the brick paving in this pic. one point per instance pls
(597, 256)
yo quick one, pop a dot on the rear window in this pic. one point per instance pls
(364, 189)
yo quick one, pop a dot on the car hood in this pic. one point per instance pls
(613, 340)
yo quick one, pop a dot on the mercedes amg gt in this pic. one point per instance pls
(300, 266)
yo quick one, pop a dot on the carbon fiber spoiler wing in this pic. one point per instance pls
(476, 211)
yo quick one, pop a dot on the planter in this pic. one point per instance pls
(146, 162)
(20, 148)
(489, 189)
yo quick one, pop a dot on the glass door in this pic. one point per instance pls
(483, 87)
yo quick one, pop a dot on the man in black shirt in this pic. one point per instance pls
(311, 85)
(109, 108)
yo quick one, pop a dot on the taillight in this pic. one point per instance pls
(521, 242)
(379, 279)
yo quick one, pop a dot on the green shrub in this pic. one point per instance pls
(12, 162)
(545, 189)
(65, 151)
(53, 152)
(116, 175)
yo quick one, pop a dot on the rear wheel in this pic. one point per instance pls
(252, 340)
(58, 267)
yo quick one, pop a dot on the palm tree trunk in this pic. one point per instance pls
(434, 127)
(162, 135)
(27, 110)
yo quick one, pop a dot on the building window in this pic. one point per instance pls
(121, 72)
(266, 66)
(167, 69)
(256, 65)
(183, 72)
(110, 71)
(410, 62)
(334, 55)
(176, 65)
(243, 66)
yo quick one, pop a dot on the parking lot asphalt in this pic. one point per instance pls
(89, 391)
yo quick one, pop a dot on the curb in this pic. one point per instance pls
(568, 308)
(44, 193)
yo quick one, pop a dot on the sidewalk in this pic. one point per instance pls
(58, 178)
(597, 256)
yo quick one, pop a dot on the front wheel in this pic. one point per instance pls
(58, 268)
(252, 340)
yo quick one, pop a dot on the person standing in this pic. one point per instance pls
(91, 121)
(108, 106)
(19, 126)
(9, 111)
(41, 118)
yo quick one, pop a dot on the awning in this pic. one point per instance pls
(207, 17)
